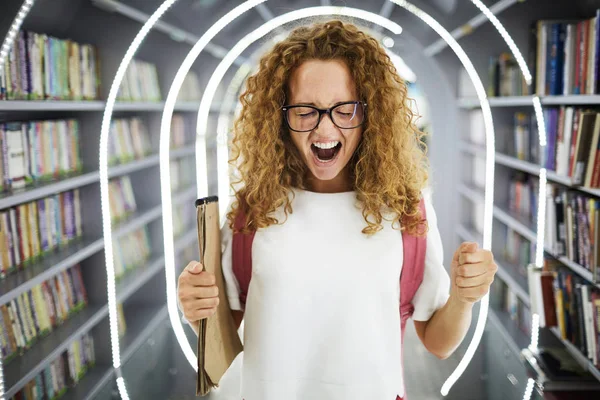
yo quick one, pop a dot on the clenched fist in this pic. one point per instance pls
(197, 293)
(472, 272)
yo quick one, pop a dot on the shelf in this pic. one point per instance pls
(90, 385)
(468, 28)
(582, 99)
(187, 151)
(506, 270)
(124, 169)
(137, 277)
(51, 105)
(184, 195)
(136, 221)
(140, 326)
(38, 191)
(523, 228)
(100, 105)
(515, 337)
(186, 239)
(25, 368)
(24, 280)
(516, 223)
(525, 166)
(34, 192)
(577, 355)
(524, 101)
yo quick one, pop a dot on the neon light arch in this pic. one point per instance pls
(203, 113)
(201, 145)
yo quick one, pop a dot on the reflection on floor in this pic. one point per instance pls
(425, 374)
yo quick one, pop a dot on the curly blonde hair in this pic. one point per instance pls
(389, 167)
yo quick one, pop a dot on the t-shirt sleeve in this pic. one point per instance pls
(435, 288)
(232, 286)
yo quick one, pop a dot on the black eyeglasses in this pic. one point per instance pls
(303, 118)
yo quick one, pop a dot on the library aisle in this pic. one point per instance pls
(73, 328)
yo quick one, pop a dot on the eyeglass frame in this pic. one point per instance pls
(322, 111)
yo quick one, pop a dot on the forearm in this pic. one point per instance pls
(447, 328)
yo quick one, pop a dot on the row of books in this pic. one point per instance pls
(518, 251)
(573, 138)
(62, 373)
(505, 300)
(183, 172)
(180, 135)
(190, 89)
(567, 55)
(121, 198)
(37, 312)
(37, 151)
(30, 230)
(572, 221)
(131, 251)
(526, 138)
(183, 218)
(505, 77)
(128, 140)
(121, 323)
(140, 83)
(523, 196)
(44, 67)
(569, 304)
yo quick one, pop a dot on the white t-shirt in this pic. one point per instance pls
(322, 317)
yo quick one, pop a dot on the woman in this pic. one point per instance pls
(333, 172)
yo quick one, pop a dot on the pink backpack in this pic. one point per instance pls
(410, 277)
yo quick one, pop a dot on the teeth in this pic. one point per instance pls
(326, 145)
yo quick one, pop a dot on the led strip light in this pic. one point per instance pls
(203, 113)
(541, 124)
(104, 196)
(201, 144)
(489, 178)
(4, 52)
(211, 88)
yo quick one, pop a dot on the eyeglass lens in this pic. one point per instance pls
(345, 116)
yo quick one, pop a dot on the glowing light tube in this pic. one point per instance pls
(4, 51)
(8, 42)
(104, 195)
(541, 216)
(165, 170)
(489, 174)
(202, 130)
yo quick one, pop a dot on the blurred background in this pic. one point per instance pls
(57, 64)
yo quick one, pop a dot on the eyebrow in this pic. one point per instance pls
(314, 105)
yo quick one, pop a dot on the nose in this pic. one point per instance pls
(325, 123)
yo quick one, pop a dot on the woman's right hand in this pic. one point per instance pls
(197, 293)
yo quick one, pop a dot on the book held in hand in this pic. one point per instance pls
(218, 340)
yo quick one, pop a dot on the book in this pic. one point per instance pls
(218, 340)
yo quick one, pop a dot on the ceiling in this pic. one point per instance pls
(196, 16)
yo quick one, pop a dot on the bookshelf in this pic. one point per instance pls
(516, 177)
(141, 289)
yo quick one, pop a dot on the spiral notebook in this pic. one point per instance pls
(218, 339)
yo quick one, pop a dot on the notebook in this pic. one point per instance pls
(218, 340)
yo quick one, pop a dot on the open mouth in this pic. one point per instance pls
(325, 152)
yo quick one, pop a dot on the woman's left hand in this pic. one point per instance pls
(472, 272)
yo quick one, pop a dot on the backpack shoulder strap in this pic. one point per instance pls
(413, 269)
(242, 255)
